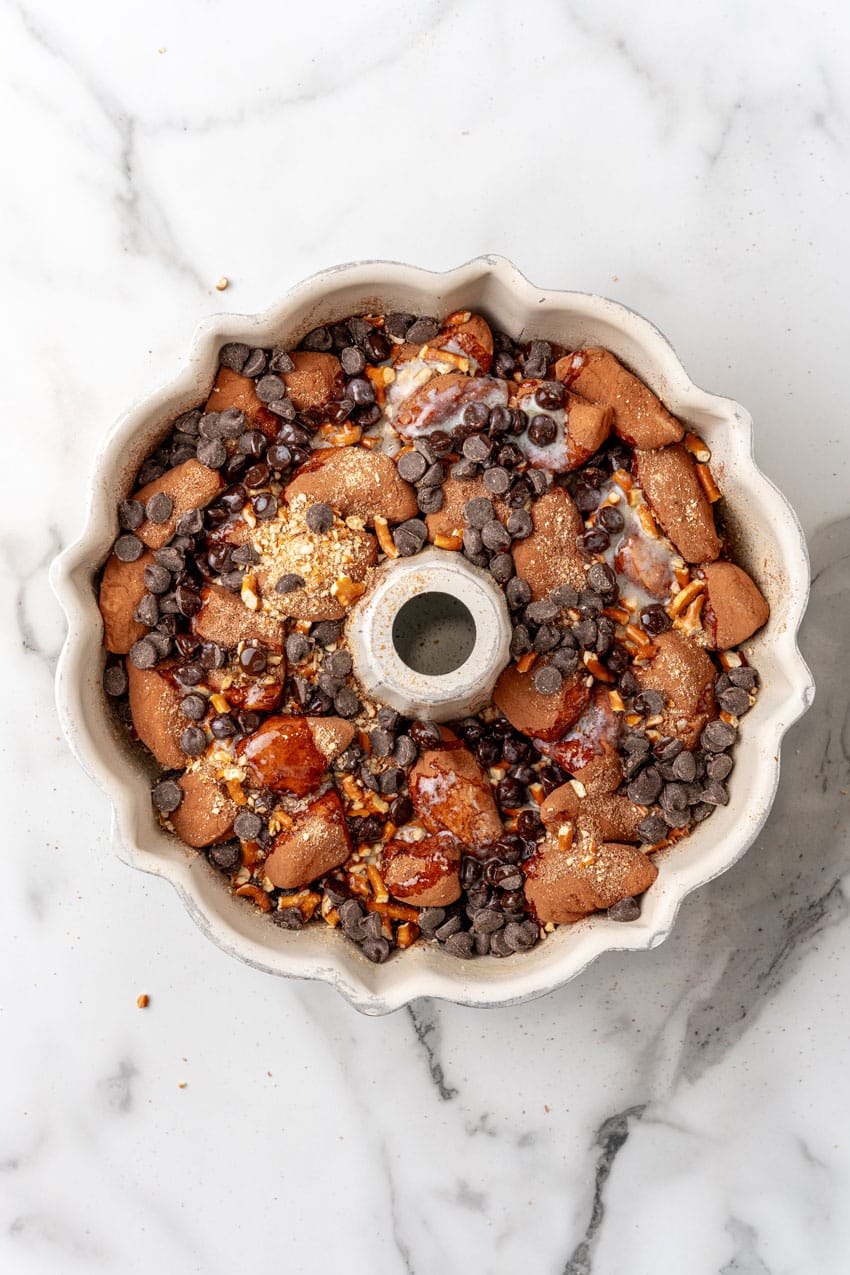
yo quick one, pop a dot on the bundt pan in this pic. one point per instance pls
(768, 540)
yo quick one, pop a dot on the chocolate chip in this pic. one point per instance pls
(502, 568)
(460, 945)
(714, 794)
(325, 632)
(601, 579)
(497, 480)
(655, 620)
(434, 475)
(159, 508)
(143, 654)
(542, 430)
(650, 703)
(517, 593)
(538, 480)
(521, 935)
(212, 453)
(596, 540)
(611, 519)
(675, 796)
(361, 390)
(473, 545)
(685, 767)
(255, 363)
(191, 674)
(190, 522)
(346, 702)
(150, 472)
(645, 788)
(128, 548)
(194, 707)
(289, 583)
(233, 355)
(717, 736)
(520, 641)
(280, 361)
(719, 766)
(227, 857)
(487, 921)
(405, 751)
(411, 466)
(265, 506)
(735, 701)
(430, 499)
(131, 514)
(193, 741)
(115, 680)
(376, 950)
(430, 919)
(270, 387)
(478, 512)
(477, 448)
(253, 660)
(426, 734)
(288, 918)
(652, 829)
(353, 360)
(410, 536)
(422, 331)
(147, 612)
(520, 525)
(745, 677)
(391, 780)
(585, 633)
(627, 909)
(564, 596)
(548, 680)
(464, 470)
(212, 656)
(166, 796)
(382, 742)
(495, 536)
(247, 825)
(546, 638)
(566, 660)
(320, 518)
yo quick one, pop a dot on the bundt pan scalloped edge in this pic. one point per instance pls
(768, 539)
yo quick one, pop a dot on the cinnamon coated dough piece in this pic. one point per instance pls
(423, 873)
(449, 521)
(121, 590)
(734, 605)
(590, 750)
(239, 393)
(290, 754)
(451, 793)
(225, 619)
(155, 709)
(669, 480)
(317, 842)
(684, 675)
(545, 717)
(315, 380)
(582, 428)
(551, 555)
(468, 335)
(188, 486)
(440, 402)
(609, 816)
(356, 481)
(640, 418)
(206, 813)
(563, 886)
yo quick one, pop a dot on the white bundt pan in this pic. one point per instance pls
(768, 541)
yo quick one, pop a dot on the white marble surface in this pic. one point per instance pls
(680, 1111)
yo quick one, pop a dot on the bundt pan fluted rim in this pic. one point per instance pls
(768, 541)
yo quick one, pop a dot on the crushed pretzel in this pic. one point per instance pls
(594, 665)
(448, 542)
(235, 792)
(254, 892)
(566, 835)
(406, 934)
(525, 662)
(376, 881)
(709, 486)
(616, 701)
(385, 540)
(697, 448)
(346, 590)
(685, 597)
(248, 592)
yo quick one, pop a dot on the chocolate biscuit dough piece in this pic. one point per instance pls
(423, 873)
(684, 675)
(640, 418)
(669, 480)
(734, 605)
(551, 555)
(188, 486)
(317, 842)
(356, 481)
(206, 813)
(121, 590)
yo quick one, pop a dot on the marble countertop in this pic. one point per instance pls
(682, 1110)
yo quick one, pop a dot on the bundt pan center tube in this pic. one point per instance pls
(431, 636)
